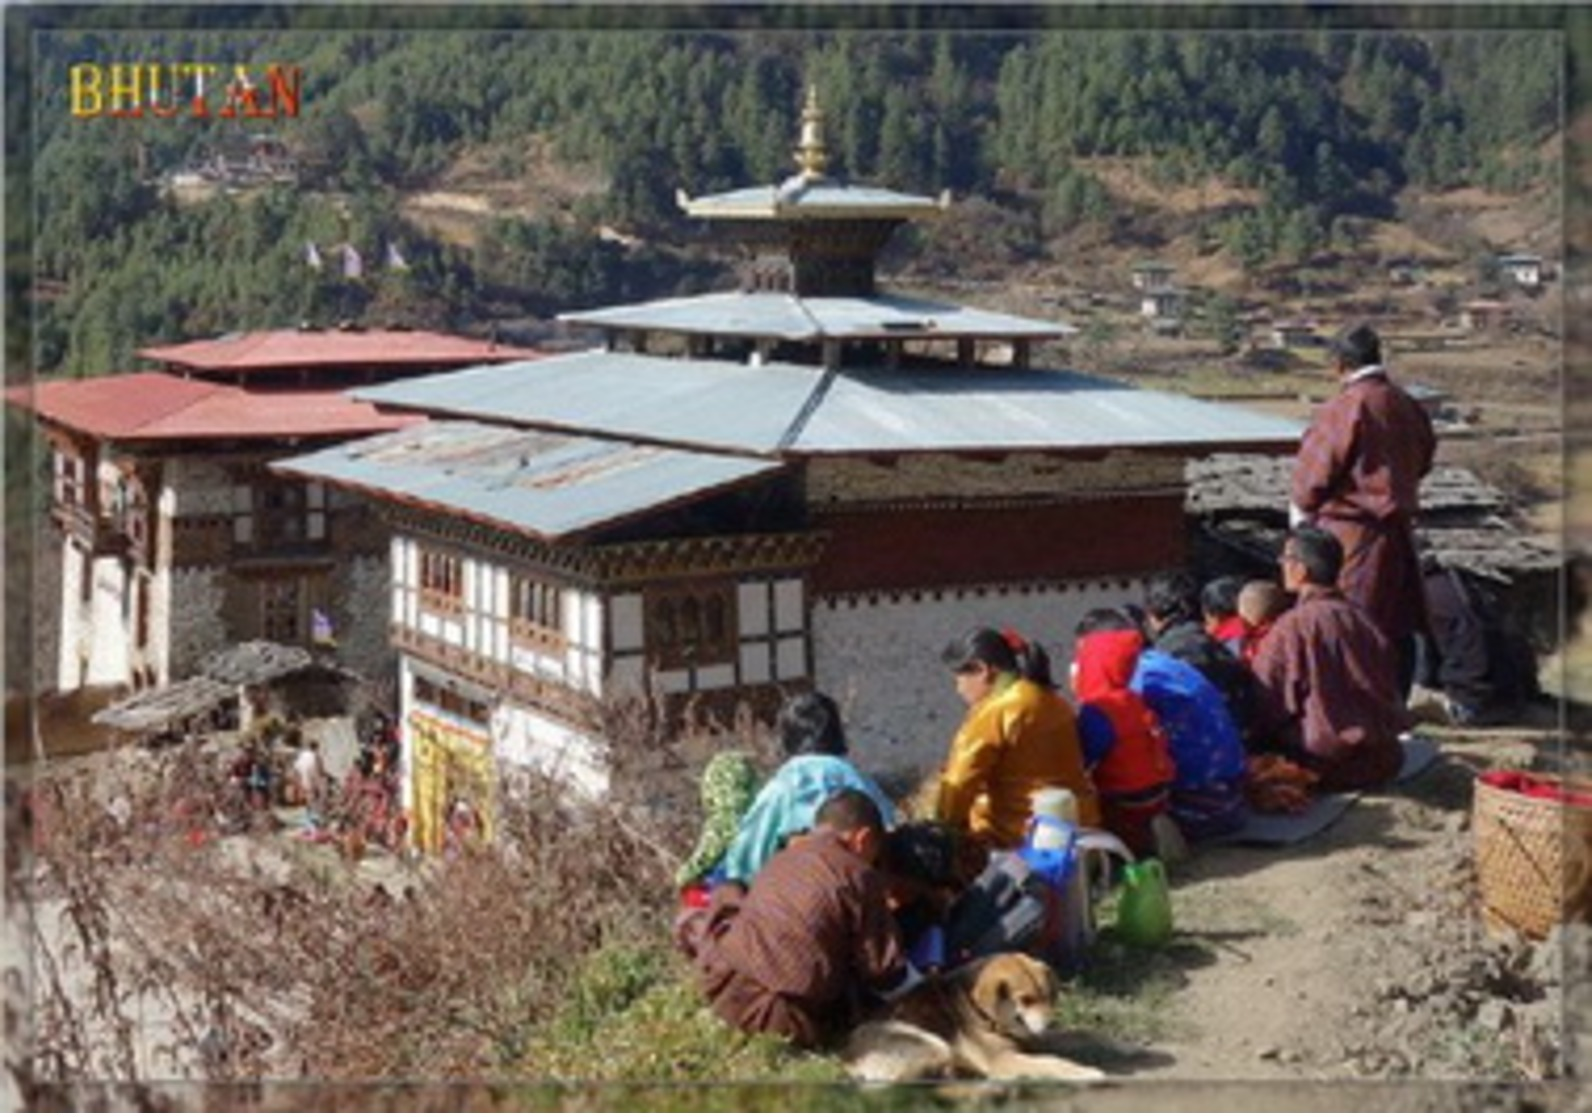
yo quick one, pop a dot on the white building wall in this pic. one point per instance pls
(107, 638)
(406, 753)
(158, 654)
(880, 659)
(72, 616)
(538, 742)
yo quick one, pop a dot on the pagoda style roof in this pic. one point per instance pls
(160, 407)
(789, 317)
(813, 198)
(550, 485)
(810, 194)
(784, 409)
(260, 350)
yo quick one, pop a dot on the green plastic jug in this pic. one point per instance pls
(1144, 910)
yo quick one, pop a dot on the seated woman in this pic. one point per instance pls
(729, 784)
(1019, 735)
(1122, 740)
(811, 734)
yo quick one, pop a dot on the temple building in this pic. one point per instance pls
(806, 482)
(168, 538)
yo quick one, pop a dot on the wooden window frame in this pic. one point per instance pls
(671, 613)
(450, 701)
(440, 581)
(536, 612)
(272, 612)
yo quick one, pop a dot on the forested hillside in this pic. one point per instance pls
(1319, 128)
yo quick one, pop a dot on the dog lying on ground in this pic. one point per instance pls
(976, 1020)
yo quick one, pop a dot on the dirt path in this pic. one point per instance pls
(1357, 954)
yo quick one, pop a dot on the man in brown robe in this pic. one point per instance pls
(1324, 675)
(797, 955)
(1358, 475)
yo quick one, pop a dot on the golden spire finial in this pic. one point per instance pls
(811, 156)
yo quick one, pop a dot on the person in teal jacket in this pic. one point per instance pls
(810, 731)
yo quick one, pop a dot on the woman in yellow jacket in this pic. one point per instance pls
(1019, 736)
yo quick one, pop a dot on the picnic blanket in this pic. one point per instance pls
(1287, 829)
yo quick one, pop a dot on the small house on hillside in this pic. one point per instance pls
(1295, 333)
(1162, 303)
(1150, 275)
(1482, 315)
(1522, 269)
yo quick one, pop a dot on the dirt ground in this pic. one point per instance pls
(1360, 953)
(1354, 970)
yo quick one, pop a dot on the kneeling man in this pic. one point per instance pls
(797, 954)
(1325, 678)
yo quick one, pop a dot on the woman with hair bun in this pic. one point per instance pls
(1019, 735)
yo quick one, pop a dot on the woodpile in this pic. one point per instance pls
(1241, 501)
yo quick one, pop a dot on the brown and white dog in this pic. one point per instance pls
(976, 1020)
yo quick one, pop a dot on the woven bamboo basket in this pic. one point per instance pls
(1533, 858)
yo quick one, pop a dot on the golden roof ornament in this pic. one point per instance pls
(811, 155)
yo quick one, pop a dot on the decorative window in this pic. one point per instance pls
(68, 478)
(450, 701)
(691, 626)
(441, 582)
(278, 514)
(279, 611)
(536, 611)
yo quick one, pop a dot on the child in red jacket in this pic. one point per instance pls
(1122, 740)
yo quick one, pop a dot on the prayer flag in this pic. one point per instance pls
(321, 628)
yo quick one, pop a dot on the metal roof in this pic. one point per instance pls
(157, 406)
(775, 408)
(551, 485)
(822, 197)
(706, 403)
(275, 349)
(1021, 409)
(766, 314)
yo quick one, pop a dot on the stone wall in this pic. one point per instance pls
(931, 476)
(879, 657)
(198, 625)
(361, 608)
(202, 486)
(45, 603)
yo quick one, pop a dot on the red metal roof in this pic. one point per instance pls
(156, 406)
(277, 349)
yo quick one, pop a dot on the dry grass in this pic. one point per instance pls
(267, 957)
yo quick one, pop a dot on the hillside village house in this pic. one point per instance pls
(1294, 334)
(1522, 269)
(168, 538)
(1151, 275)
(1481, 315)
(1162, 310)
(807, 482)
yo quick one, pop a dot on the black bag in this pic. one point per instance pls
(1008, 907)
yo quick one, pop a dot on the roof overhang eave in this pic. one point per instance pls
(570, 536)
(1270, 447)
